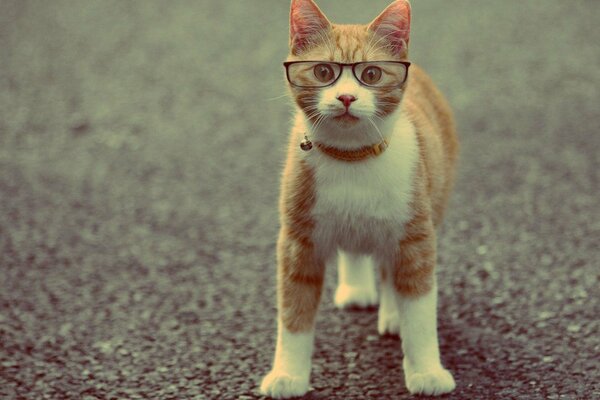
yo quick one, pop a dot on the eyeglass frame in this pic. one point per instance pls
(342, 66)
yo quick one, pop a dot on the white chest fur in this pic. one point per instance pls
(361, 207)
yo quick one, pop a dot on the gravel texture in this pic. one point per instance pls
(140, 151)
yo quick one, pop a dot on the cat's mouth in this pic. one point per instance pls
(346, 117)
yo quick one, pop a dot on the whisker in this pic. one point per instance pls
(378, 48)
(319, 122)
(381, 37)
(327, 41)
(373, 36)
(380, 117)
(277, 97)
(312, 115)
(376, 128)
(369, 50)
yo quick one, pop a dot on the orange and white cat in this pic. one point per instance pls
(369, 170)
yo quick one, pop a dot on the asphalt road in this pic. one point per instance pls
(140, 151)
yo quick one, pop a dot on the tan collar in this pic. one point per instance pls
(354, 155)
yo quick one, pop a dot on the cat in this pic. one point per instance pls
(369, 169)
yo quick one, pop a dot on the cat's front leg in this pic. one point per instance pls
(300, 282)
(416, 295)
(423, 371)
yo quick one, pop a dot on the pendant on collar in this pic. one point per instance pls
(306, 144)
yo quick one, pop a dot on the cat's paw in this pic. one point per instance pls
(388, 322)
(434, 382)
(355, 296)
(280, 385)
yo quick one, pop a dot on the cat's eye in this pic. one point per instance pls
(371, 75)
(324, 73)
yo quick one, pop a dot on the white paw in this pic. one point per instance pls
(355, 296)
(279, 385)
(435, 382)
(388, 323)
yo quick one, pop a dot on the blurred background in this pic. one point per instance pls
(141, 144)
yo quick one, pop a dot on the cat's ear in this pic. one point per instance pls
(393, 24)
(307, 25)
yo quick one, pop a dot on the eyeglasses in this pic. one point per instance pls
(318, 74)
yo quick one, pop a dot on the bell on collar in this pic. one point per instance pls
(306, 144)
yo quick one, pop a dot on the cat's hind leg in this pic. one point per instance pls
(388, 322)
(356, 281)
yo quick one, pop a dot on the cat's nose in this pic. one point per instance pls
(347, 99)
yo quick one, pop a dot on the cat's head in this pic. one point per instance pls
(343, 95)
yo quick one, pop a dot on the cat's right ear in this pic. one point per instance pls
(308, 24)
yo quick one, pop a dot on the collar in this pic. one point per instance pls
(354, 155)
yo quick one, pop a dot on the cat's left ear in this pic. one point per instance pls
(308, 25)
(393, 24)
